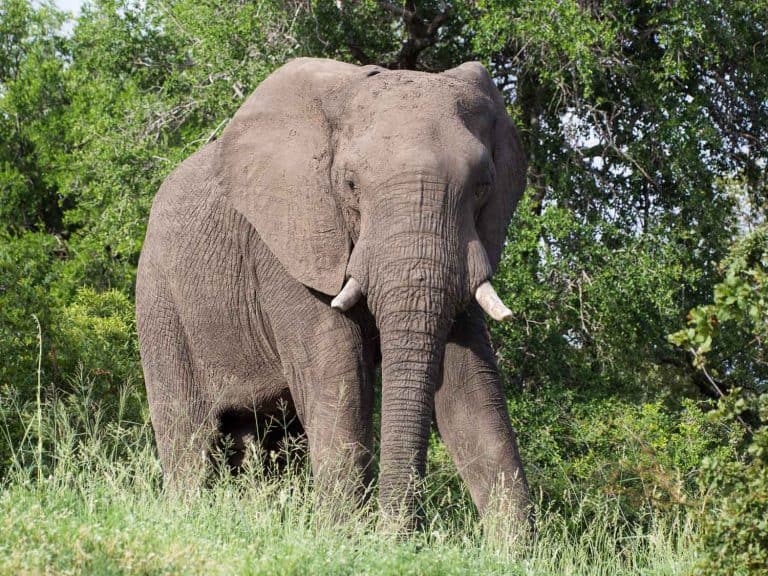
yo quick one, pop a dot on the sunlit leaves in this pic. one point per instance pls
(739, 309)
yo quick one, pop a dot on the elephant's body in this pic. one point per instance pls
(200, 272)
(226, 331)
(401, 182)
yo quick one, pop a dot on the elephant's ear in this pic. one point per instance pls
(275, 159)
(509, 162)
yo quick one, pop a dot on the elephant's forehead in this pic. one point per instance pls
(418, 93)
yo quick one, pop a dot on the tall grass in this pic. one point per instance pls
(85, 496)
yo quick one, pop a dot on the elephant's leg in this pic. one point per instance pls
(473, 421)
(181, 417)
(331, 382)
(340, 418)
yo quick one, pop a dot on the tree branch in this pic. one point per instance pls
(354, 47)
(421, 33)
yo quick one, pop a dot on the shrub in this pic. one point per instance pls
(726, 339)
(734, 520)
(98, 332)
(646, 456)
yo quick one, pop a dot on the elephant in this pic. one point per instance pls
(348, 219)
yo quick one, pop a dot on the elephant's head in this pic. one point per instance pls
(395, 185)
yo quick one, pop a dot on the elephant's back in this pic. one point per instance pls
(185, 217)
(168, 237)
(184, 196)
(179, 219)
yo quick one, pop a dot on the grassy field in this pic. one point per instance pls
(87, 499)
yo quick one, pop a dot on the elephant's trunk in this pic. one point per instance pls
(413, 336)
(415, 283)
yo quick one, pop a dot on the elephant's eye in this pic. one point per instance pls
(351, 185)
(485, 182)
(482, 190)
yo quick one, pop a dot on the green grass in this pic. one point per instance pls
(97, 507)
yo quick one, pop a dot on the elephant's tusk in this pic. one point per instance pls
(348, 296)
(490, 302)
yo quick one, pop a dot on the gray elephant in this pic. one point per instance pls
(347, 217)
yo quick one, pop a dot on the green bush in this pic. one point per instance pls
(84, 334)
(593, 305)
(646, 456)
(734, 519)
(727, 340)
(98, 333)
(728, 337)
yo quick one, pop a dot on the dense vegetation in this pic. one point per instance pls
(637, 268)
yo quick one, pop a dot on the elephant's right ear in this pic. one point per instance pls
(508, 159)
(275, 159)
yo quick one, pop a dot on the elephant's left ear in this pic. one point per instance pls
(508, 159)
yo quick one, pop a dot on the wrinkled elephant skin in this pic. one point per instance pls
(385, 193)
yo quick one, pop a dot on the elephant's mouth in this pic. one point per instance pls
(485, 294)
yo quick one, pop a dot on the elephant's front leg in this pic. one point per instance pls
(473, 421)
(332, 385)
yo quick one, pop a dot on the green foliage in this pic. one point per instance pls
(726, 339)
(99, 332)
(32, 76)
(730, 334)
(593, 318)
(26, 282)
(644, 457)
(734, 530)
